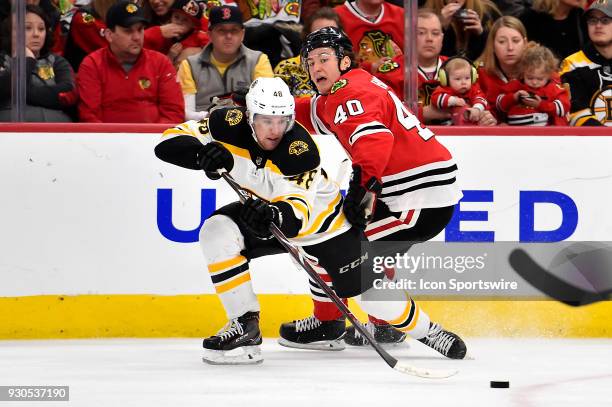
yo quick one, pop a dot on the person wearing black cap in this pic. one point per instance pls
(225, 65)
(125, 83)
(588, 73)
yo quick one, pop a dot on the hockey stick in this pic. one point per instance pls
(551, 285)
(303, 261)
(343, 171)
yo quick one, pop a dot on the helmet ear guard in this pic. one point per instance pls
(271, 97)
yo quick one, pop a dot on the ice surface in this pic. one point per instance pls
(169, 372)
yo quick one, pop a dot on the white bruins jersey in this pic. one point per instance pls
(291, 173)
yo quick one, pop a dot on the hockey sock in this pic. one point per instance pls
(222, 242)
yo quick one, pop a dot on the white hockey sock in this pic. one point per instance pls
(221, 243)
(406, 315)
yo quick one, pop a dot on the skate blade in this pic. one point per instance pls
(469, 356)
(245, 355)
(334, 345)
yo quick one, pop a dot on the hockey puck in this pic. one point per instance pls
(500, 385)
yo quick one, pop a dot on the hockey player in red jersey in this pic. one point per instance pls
(536, 99)
(394, 157)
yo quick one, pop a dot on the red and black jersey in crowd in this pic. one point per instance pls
(85, 36)
(552, 109)
(474, 97)
(147, 93)
(390, 23)
(155, 41)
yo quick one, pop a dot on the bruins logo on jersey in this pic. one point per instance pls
(338, 85)
(298, 147)
(602, 106)
(233, 117)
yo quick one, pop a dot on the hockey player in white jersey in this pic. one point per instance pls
(275, 159)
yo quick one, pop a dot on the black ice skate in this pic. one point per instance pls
(383, 334)
(445, 342)
(311, 333)
(237, 343)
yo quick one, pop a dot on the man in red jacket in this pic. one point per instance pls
(124, 83)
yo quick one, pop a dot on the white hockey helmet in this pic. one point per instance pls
(270, 96)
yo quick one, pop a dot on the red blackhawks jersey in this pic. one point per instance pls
(390, 23)
(551, 111)
(474, 97)
(155, 40)
(386, 140)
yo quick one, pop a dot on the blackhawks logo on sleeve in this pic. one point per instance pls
(338, 85)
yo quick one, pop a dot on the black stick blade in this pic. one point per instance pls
(526, 267)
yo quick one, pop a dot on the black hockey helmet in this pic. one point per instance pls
(331, 37)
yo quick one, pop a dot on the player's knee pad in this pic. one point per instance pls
(220, 238)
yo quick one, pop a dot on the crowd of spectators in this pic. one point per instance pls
(479, 62)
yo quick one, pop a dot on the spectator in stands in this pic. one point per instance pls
(503, 51)
(162, 28)
(459, 92)
(86, 33)
(466, 25)
(291, 70)
(376, 29)
(225, 65)
(186, 14)
(309, 7)
(158, 11)
(272, 27)
(556, 24)
(429, 45)
(588, 72)
(512, 8)
(124, 83)
(535, 98)
(50, 89)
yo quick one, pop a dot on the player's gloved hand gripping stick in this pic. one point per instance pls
(360, 201)
(301, 258)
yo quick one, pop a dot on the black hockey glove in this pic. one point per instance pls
(239, 96)
(258, 215)
(214, 156)
(359, 202)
